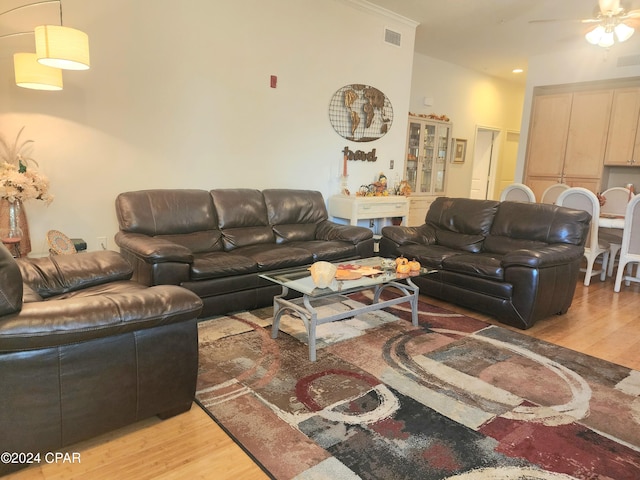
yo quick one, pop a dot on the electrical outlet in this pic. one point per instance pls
(102, 243)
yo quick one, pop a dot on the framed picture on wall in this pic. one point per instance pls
(459, 150)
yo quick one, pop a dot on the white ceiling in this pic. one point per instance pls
(495, 36)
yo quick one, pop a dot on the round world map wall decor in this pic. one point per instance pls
(360, 113)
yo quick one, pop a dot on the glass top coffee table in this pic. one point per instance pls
(299, 279)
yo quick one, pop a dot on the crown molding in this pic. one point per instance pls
(371, 8)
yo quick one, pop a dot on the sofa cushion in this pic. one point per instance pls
(459, 241)
(294, 214)
(242, 217)
(60, 274)
(165, 212)
(430, 256)
(541, 222)
(462, 215)
(274, 257)
(503, 245)
(327, 250)
(221, 264)
(476, 264)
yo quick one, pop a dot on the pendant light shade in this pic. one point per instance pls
(31, 74)
(62, 47)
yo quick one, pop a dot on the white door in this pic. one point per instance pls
(485, 159)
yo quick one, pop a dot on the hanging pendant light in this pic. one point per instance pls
(62, 47)
(31, 74)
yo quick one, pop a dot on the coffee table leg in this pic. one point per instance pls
(312, 318)
(277, 312)
(413, 301)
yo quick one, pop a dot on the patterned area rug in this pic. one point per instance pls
(454, 398)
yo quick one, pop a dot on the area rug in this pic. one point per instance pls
(453, 398)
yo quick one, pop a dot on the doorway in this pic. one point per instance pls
(485, 161)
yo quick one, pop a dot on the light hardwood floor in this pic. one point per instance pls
(600, 323)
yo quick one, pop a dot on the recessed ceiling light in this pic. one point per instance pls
(517, 70)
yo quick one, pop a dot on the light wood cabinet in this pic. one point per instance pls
(547, 142)
(418, 208)
(567, 139)
(623, 142)
(588, 129)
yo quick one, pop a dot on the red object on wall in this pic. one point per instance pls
(274, 81)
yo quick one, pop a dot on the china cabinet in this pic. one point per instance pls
(428, 143)
(427, 154)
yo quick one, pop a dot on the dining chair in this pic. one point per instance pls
(550, 195)
(616, 200)
(630, 249)
(582, 199)
(517, 192)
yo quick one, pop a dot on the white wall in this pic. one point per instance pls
(583, 63)
(178, 96)
(469, 99)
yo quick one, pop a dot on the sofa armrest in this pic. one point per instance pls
(153, 249)
(127, 307)
(58, 274)
(549, 256)
(328, 230)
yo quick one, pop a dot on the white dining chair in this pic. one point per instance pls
(630, 249)
(582, 199)
(517, 192)
(616, 200)
(550, 195)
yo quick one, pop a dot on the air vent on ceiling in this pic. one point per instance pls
(391, 37)
(628, 61)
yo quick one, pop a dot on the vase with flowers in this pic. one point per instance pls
(19, 181)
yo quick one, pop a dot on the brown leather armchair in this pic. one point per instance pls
(85, 350)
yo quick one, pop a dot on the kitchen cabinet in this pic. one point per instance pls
(568, 139)
(623, 142)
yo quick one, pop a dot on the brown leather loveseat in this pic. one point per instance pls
(85, 350)
(217, 243)
(518, 262)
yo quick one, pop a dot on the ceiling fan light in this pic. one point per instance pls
(606, 40)
(623, 32)
(30, 74)
(594, 36)
(62, 47)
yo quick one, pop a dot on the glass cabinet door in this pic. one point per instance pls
(427, 155)
(441, 159)
(413, 153)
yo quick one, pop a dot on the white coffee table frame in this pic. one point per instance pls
(303, 308)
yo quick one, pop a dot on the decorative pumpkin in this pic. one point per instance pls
(414, 265)
(403, 267)
(401, 261)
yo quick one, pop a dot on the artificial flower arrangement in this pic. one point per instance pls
(18, 181)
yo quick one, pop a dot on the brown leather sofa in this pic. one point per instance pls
(85, 350)
(217, 243)
(518, 262)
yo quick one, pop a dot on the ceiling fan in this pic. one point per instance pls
(611, 22)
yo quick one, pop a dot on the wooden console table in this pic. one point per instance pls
(366, 208)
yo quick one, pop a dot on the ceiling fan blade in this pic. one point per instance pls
(550, 20)
(631, 14)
